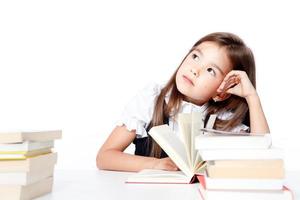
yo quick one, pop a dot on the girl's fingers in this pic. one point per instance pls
(230, 91)
(227, 84)
(171, 167)
(230, 75)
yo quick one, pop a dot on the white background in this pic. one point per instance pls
(73, 65)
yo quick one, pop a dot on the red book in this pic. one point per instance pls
(283, 193)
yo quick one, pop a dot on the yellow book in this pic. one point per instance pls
(21, 155)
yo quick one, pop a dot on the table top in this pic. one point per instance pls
(97, 184)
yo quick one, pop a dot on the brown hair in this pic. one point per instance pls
(241, 58)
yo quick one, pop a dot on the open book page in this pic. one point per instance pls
(197, 124)
(184, 123)
(200, 164)
(158, 176)
(173, 146)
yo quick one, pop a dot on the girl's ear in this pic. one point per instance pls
(221, 97)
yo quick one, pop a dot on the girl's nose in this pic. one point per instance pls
(194, 72)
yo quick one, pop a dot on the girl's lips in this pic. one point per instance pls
(187, 80)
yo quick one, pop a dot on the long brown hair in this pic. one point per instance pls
(241, 58)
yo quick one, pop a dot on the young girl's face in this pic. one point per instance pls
(202, 72)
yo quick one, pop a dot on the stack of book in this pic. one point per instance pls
(26, 164)
(228, 165)
(240, 166)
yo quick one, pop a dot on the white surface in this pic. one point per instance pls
(95, 185)
(73, 65)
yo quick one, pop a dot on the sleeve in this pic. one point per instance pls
(137, 114)
(239, 128)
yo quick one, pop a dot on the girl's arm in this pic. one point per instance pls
(243, 87)
(258, 121)
(112, 157)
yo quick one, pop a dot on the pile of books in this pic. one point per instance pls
(240, 166)
(27, 164)
(227, 165)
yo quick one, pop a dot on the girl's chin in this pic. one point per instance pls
(188, 96)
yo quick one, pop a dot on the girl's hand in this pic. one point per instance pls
(165, 164)
(238, 83)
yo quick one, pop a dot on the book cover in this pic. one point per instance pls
(25, 146)
(14, 137)
(233, 141)
(272, 153)
(26, 192)
(25, 178)
(21, 155)
(283, 193)
(248, 169)
(239, 183)
(30, 164)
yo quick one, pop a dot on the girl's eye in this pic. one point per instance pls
(211, 71)
(195, 57)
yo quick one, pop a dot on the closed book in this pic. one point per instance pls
(26, 192)
(272, 153)
(221, 141)
(20, 136)
(260, 194)
(21, 155)
(248, 169)
(25, 178)
(25, 146)
(240, 184)
(30, 164)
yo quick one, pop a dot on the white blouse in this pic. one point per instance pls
(137, 114)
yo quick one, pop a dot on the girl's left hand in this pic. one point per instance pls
(238, 83)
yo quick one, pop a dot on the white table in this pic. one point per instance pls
(94, 184)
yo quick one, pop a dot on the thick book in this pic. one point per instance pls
(30, 164)
(247, 169)
(272, 153)
(25, 146)
(240, 183)
(283, 193)
(14, 137)
(26, 192)
(180, 149)
(225, 140)
(26, 178)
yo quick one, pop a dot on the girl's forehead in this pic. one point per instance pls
(211, 52)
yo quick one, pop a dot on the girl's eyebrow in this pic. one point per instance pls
(213, 64)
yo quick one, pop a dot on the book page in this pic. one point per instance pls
(158, 176)
(184, 123)
(196, 125)
(173, 146)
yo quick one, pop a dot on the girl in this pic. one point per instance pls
(217, 76)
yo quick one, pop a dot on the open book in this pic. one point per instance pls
(180, 149)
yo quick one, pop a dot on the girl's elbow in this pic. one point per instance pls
(99, 161)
